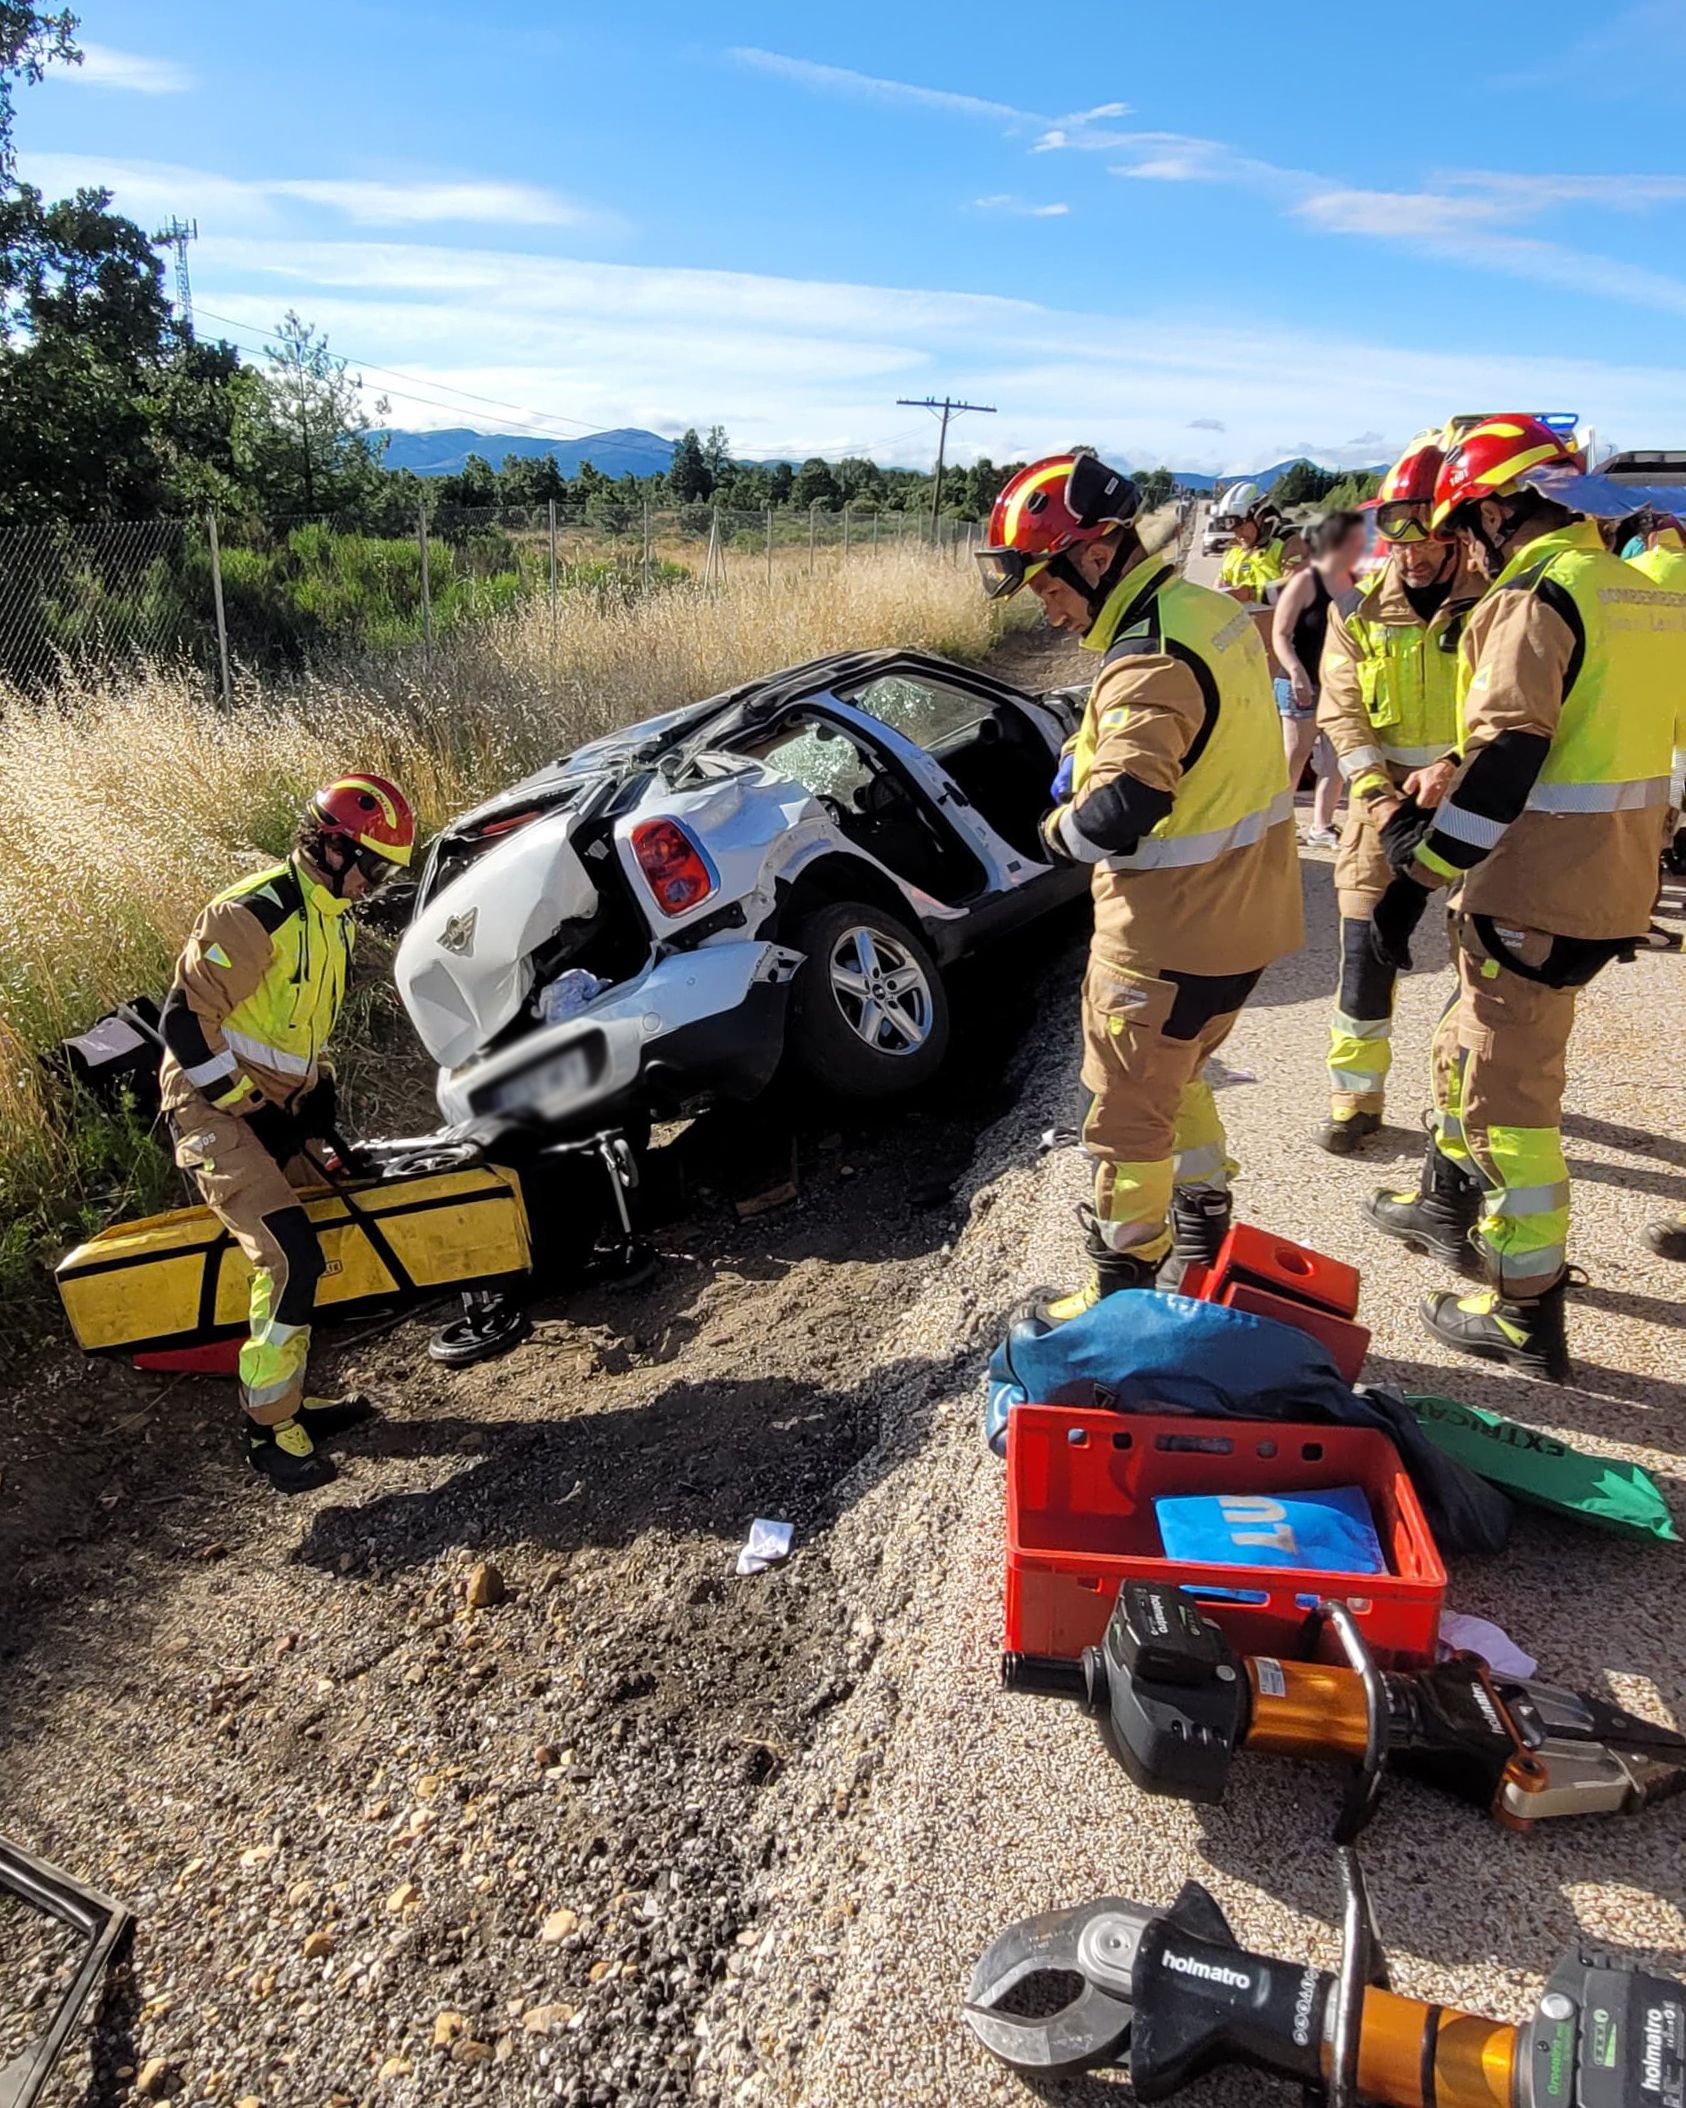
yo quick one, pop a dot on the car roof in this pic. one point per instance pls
(747, 703)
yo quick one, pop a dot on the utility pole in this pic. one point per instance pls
(176, 236)
(946, 409)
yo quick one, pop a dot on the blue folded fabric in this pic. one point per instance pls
(1329, 1532)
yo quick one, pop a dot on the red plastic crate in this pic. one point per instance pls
(1081, 1485)
(1347, 1343)
(1279, 1266)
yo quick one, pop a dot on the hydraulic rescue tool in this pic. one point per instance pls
(1176, 1704)
(1168, 1994)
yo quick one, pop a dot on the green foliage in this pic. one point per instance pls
(1303, 484)
(30, 40)
(1350, 491)
(1155, 485)
(690, 477)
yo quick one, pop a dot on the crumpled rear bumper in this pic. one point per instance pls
(705, 1020)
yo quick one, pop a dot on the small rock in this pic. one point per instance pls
(248, 2100)
(318, 1945)
(395, 2068)
(546, 1755)
(466, 2050)
(299, 1895)
(600, 1970)
(446, 2028)
(402, 1897)
(157, 2077)
(257, 1855)
(543, 2020)
(485, 1587)
(558, 1926)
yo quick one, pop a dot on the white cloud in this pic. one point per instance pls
(1414, 215)
(1020, 208)
(105, 67)
(843, 80)
(399, 204)
(149, 189)
(798, 365)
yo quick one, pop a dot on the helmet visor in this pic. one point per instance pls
(1003, 571)
(1405, 520)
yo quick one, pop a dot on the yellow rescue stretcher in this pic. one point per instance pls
(180, 1280)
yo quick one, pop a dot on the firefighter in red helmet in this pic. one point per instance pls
(256, 992)
(1550, 831)
(1175, 793)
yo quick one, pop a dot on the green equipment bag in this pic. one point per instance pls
(1547, 1473)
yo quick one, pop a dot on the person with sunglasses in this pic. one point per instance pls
(256, 994)
(1388, 704)
(1174, 793)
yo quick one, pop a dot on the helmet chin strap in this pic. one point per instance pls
(1096, 596)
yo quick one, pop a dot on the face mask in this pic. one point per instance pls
(1634, 546)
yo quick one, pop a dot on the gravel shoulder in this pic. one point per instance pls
(635, 1829)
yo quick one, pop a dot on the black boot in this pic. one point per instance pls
(1667, 1239)
(1344, 1134)
(1438, 1217)
(1110, 1272)
(1527, 1336)
(286, 1456)
(1200, 1220)
(336, 1416)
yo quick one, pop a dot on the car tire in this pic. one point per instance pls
(861, 964)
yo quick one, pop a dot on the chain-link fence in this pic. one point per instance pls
(225, 593)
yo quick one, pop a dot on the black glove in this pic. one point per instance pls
(278, 1131)
(318, 1111)
(1409, 826)
(1397, 914)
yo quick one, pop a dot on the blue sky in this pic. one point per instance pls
(1210, 234)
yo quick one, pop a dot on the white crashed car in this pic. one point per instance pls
(663, 916)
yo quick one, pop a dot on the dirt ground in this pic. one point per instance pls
(518, 1840)
(643, 1830)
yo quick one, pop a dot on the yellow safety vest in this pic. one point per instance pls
(1665, 562)
(1258, 567)
(1234, 785)
(1615, 738)
(1408, 678)
(285, 1022)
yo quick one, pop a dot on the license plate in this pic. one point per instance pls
(565, 1074)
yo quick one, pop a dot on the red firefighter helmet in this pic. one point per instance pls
(1049, 508)
(1405, 502)
(370, 813)
(1491, 458)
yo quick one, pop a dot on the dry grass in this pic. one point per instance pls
(127, 801)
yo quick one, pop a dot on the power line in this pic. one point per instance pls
(245, 335)
(948, 408)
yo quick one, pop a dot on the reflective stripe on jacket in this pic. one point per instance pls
(1575, 646)
(1389, 681)
(1184, 706)
(258, 988)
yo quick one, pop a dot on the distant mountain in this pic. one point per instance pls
(1263, 477)
(443, 453)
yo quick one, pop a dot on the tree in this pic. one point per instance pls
(1154, 484)
(690, 475)
(30, 40)
(84, 341)
(859, 482)
(717, 455)
(317, 455)
(781, 479)
(1352, 490)
(1303, 484)
(814, 485)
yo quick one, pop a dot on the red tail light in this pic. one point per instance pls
(680, 875)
